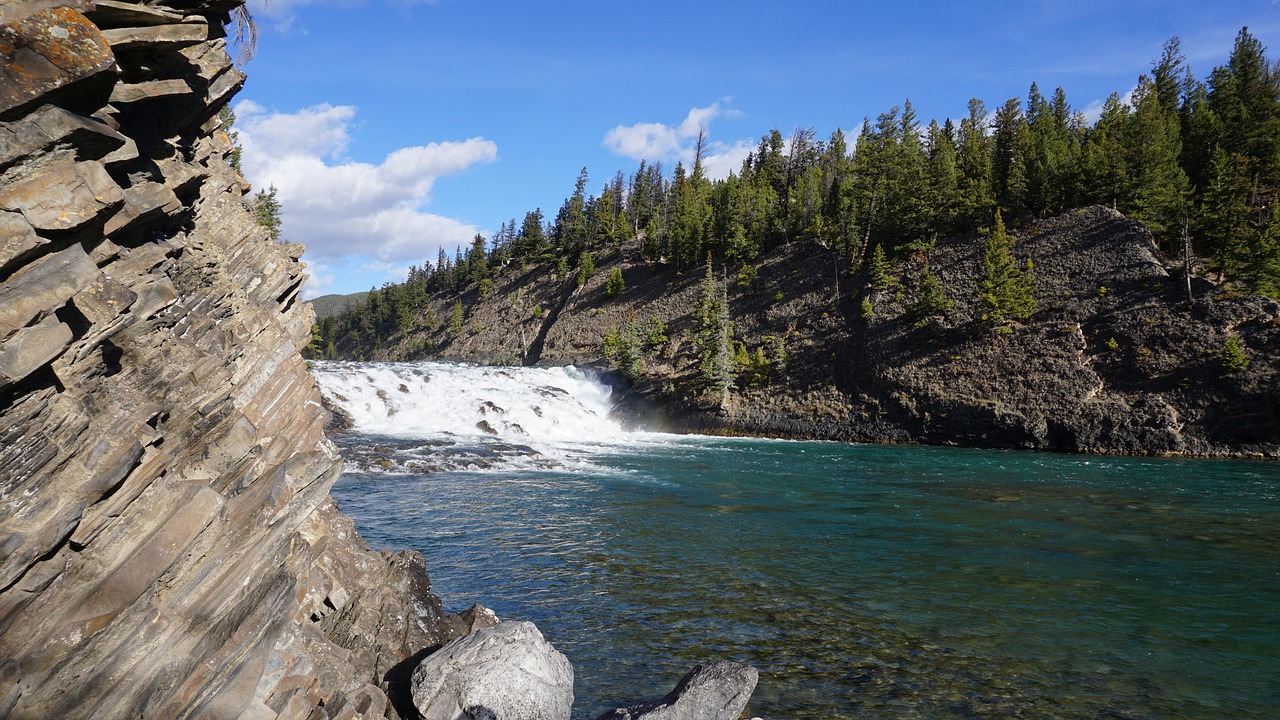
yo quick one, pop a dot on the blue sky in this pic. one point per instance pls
(393, 127)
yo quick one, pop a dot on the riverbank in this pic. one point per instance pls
(884, 581)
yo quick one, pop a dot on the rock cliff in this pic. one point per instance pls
(168, 547)
(1115, 360)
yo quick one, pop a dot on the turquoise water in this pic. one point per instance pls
(866, 581)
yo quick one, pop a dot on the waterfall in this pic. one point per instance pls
(459, 416)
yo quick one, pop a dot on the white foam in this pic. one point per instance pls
(431, 399)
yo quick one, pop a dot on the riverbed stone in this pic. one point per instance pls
(504, 672)
(719, 691)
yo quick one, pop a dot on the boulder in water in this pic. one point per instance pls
(504, 672)
(719, 691)
(484, 426)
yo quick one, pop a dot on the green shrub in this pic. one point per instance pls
(455, 319)
(1234, 356)
(615, 284)
(655, 335)
(586, 268)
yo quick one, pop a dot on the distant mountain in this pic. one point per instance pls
(331, 305)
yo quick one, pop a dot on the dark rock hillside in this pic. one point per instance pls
(1115, 360)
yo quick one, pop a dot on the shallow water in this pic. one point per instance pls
(862, 581)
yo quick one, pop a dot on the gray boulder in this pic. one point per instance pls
(719, 691)
(504, 672)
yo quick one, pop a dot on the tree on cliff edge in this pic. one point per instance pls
(1005, 291)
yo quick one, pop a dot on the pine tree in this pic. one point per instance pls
(1009, 159)
(974, 198)
(1105, 165)
(1264, 264)
(266, 211)
(838, 211)
(615, 284)
(1234, 357)
(456, 319)
(1051, 153)
(586, 268)
(1005, 291)
(531, 242)
(932, 301)
(882, 272)
(228, 118)
(1160, 187)
(715, 354)
(690, 217)
(477, 261)
(571, 222)
(942, 188)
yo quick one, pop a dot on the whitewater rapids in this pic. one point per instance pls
(433, 416)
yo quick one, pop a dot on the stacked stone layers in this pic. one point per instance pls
(167, 545)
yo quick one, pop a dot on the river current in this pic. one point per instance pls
(862, 581)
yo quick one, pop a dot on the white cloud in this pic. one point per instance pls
(651, 141)
(727, 159)
(341, 208)
(1093, 110)
(282, 14)
(657, 142)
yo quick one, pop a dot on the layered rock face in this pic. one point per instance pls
(168, 548)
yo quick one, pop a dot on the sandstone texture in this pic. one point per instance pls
(504, 672)
(719, 691)
(168, 547)
(1115, 360)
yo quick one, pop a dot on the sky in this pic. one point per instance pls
(392, 128)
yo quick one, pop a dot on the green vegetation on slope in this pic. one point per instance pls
(1196, 160)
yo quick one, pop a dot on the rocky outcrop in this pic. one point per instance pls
(1114, 361)
(168, 547)
(719, 691)
(505, 672)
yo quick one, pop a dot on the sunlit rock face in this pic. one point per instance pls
(168, 547)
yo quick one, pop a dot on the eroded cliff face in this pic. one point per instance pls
(168, 547)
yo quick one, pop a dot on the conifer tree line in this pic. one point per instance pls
(1195, 159)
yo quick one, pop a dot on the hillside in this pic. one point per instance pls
(331, 305)
(1114, 360)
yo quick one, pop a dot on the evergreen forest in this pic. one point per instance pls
(1196, 159)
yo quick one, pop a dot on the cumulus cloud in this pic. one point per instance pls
(341, 208)
(658, 142)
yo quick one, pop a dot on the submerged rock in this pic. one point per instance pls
(719, 691)
(504, 672)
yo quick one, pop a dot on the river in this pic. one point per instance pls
(862, 581)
